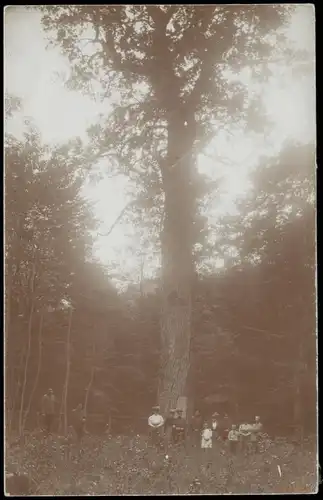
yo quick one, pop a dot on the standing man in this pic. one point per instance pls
(155, 425)
(215, 426)
(48, 410)
(245, 433)
(226, 425)
(79, 421)
(233, 438)
(196, 429)
(168, 427)
(180, 428)
(256, 434)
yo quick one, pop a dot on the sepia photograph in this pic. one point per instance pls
(160, 296)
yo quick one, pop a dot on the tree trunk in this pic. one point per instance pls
(67, 377)
(89, 387)
(177, 265)
(24, 383)
(38, 368)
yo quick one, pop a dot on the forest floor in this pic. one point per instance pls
(123, 465)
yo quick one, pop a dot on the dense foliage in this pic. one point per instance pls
(254, 317)
(171, 74)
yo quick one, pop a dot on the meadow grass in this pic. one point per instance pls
(105, 465)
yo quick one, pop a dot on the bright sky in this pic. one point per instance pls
(35, 73)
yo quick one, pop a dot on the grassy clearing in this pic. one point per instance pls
(123, 465)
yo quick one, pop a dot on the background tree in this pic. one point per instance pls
(169, 65)
(266, 301)
(47, 239)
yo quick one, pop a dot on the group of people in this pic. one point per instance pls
(48, 411)
(174, 430)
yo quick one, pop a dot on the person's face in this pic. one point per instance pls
(205, 426)
(50, 392)
(257, 419)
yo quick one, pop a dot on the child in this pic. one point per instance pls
(206, 441)
(233, 438)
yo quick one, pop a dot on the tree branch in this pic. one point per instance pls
(114, 58)
(160, 18)
(123, 211)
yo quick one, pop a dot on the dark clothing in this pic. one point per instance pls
(196, 429)
(225, 426)
(169, 422)
(79, 422)
(48, 404)
(179, 430)
(48, 422)
(196, 423)
(196, 437)
(168, 427)
(233, 446)
(79, 428)
(155, 436)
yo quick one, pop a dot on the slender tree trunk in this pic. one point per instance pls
(68, 365)
(18, 385)
(89, 387)
(40, 331)
(177, 266)
(20, 426)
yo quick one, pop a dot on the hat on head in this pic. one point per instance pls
(172, 410)
(156, 408)
(215, 414)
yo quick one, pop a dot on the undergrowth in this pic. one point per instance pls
(123, 465)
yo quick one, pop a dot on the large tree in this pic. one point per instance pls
(168, 66)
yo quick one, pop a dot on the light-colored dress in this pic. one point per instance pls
(206, 441)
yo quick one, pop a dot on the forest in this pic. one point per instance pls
(237, 339)
(257, 316)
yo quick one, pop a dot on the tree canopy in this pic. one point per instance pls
(169, 67)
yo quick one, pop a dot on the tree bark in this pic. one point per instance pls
(177, 265)
(38, 368)
(89, 387)
(22, 400)
(67, 376)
